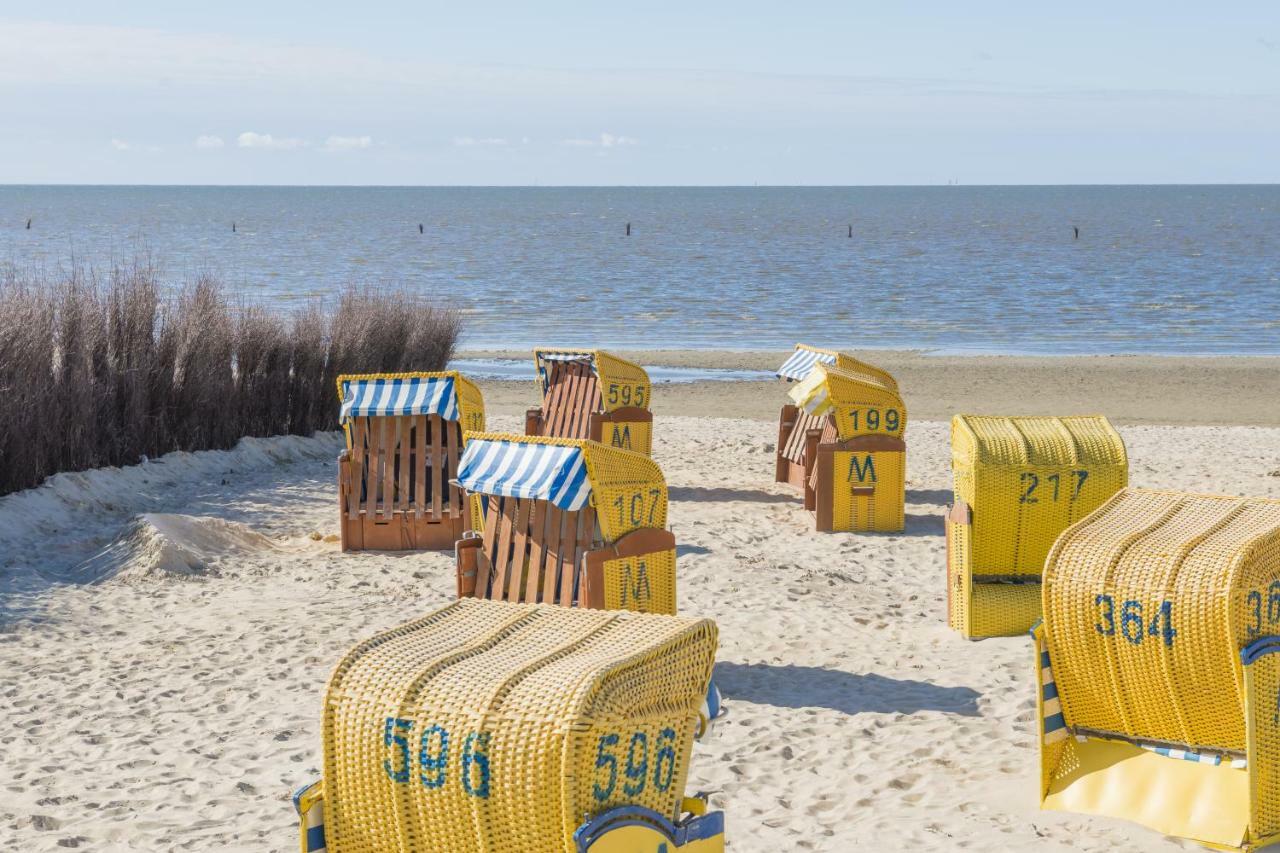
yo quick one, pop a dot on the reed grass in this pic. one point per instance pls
(107, 369)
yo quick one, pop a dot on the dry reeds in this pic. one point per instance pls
(103, 371)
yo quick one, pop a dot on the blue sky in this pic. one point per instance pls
(233, 92)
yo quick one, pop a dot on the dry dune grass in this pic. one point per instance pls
(103, 370)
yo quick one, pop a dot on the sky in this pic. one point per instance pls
(639, 93)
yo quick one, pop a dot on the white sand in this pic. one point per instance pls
(174, 703)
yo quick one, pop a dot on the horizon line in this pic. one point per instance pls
(7, 185)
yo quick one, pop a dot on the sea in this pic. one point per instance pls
(951, 269)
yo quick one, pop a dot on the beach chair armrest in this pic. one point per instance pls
(308, 801)
(466, 552)
(630, 828)
(533, 419)
(1262, 726)
(636, 544)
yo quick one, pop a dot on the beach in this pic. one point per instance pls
(170, 627)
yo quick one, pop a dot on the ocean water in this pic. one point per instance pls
(1172, 269)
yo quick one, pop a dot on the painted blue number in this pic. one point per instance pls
(605, 760)
(637, 764)
(1109, 614)
(891, 420)
(1162, 624)
(1131, 616)
(475, 761)
(1273, 602)
(664, 765)
(432, 766)
(393, 735)
(1255, 601)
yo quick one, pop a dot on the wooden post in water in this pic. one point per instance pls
(420, 228)
(28, 224)
(850, 232)
(233, 228)
(628, 229)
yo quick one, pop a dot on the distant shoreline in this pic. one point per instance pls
(1137, 389)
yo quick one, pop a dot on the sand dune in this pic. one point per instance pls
(174, 703)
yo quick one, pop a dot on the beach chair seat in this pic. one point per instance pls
(404, 435)
(841, 444)
(593, 395)
(1018, 483)
(509, 728)
(1157, 673)
(570, 522)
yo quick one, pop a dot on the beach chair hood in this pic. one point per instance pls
(446, 393)
(623, 383)
(859, 404)
(805, 357)
(1161, 611)
(507, 727)
(626, 488)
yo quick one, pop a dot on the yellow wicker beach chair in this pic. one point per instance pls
(490, 727)
(592, 394)
(1157, 673)
(404, 437)
(841, 444)
(798, 430)
(566, 521)
(1019, 482)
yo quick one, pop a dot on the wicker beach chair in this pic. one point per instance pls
(1157, 668)
(566, 521)
(841, 445)
(490, 727)
(594, 395)
(404, 438)
(1018, 483)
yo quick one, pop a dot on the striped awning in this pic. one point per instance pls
(515, 469)
(811, 393)
(434, 395)
(801, 362)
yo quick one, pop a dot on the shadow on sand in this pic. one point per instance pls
(849, 693)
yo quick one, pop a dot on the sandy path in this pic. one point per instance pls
(174, 713)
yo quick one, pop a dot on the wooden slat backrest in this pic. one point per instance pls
(404, 464)
(532, 550)
(573, 394)
(794, 449)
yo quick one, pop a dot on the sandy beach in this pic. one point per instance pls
(166, 630)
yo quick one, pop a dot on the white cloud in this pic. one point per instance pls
(249, 139)
(347, 143)
(469, 141)
(605, 140)
(209, 142)
(608, 140)
(120, 145)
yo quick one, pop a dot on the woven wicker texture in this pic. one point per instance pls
(645, 583)
(1027, 480)
(1147, 603)
(869, 492)
(501, 727)
(1262, 686)
(856, 404)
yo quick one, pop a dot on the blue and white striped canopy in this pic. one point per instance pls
(515, 469)
(801, 362)
(433, 395)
